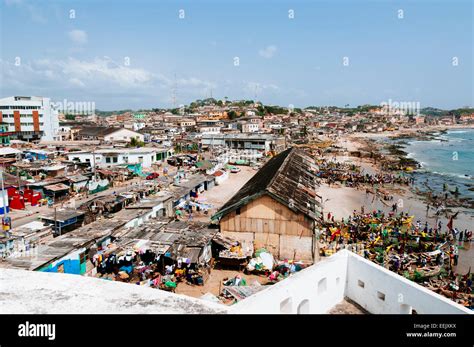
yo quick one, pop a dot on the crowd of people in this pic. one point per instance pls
(351, 175)
(428, 254)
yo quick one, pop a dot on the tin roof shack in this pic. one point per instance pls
(186, 246)
(57, 191)
(277, 208)
(78, 182)
(67, 253)
(231, 253)
(194, 242)
(55, 170)
(161, 206)
(63, 221)
(40, 186)
(103, 205)
(31, 235)
(157, 252)
(191, 187)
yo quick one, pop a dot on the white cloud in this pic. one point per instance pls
(99, 78)
(76, 82)
(268, 52)
(78, 36)
(252, 87)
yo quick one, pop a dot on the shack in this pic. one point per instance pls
(277, 209)
(63, 221)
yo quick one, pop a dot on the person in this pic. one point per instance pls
(439, 259)
(456, 255)
(169, 269)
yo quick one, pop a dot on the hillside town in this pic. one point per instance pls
(220, 199)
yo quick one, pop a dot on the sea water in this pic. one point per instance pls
(447, 159)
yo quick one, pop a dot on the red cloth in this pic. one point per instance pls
(17, 202)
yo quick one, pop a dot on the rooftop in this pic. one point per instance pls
(289, 177)
(54, 293)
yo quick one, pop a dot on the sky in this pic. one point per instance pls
(143, 54)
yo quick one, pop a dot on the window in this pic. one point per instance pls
(322, 285)
(107, 160)
(237, 211)
(286, 306)
(360, 284)
(303, 307)
(381, 296)
(114, 159)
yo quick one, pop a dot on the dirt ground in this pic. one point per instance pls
(213, 283)
(347, 306)
(217, 196)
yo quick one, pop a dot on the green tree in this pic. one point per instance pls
(135, 142)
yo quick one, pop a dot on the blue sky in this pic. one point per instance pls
(131, 54)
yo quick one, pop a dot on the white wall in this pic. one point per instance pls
(148, 158)
(317, 289)
(398, 291)
(123, 135)
(342, 273)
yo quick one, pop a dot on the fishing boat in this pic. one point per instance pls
(427, 271)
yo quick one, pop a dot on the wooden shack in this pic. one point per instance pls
(277, 208)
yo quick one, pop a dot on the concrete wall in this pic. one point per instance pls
(386, 292)
(313, 290)
(322, 286)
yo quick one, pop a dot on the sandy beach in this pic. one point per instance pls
(341, 201)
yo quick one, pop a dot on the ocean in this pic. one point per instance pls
(449, 158)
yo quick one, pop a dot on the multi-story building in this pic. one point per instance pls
(266, 143)
(29, 117)
(105, 158)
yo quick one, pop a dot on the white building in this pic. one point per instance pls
(29, 117)
(210, 130)
(112, 157)
(250, 127)
(124, 135)
(109, 134)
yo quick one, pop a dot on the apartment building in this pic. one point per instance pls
(29, 118)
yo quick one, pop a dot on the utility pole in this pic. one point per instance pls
(93, 161)
(4, 198)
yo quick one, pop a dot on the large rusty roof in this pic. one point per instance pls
(289, 177)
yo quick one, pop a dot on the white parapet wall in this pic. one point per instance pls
(379, 290)
(313, 290)
(320, 287)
